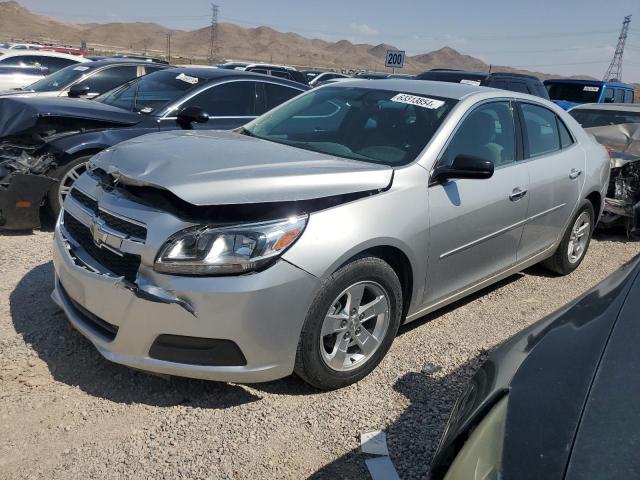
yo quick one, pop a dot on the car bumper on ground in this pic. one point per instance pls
(259, 315)
(21, 199)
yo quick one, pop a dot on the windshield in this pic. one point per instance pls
(60, 79)
(600, 118)
(573, 92)
(381, 126)
(151, 92)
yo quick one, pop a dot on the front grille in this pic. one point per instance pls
(128, 228)
(104, 328)
(123, 226)
(85, 200)
(125, 265)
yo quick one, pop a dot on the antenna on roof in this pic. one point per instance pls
(614, 72)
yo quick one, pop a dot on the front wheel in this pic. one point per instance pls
(350, 325)
(575, 242)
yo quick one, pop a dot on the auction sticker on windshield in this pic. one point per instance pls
(591, 89)
(423, 102)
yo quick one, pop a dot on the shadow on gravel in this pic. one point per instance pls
(73, 360)
(414, 437)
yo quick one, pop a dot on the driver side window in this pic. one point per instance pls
(488, 132)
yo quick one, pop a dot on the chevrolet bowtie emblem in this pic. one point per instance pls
(97, 232)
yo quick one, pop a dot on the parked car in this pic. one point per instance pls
(371, 75)
(21, 68)
(23, 46)
(569, 93)
(311, 74)
(233, 65)
(617, 127)
(557, 400)
(69, 50)
(302, 241)
(87, 80)
(45, 143)
(603, 114)
(324, 76)
(516, 82)
(451, 75)
(279, 71)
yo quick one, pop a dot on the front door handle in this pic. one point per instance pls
(517, 194)
(575, 173)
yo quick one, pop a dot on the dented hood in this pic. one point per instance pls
(623, 138)
(218, 168)
(19, 114)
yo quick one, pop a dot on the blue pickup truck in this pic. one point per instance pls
(569, 93)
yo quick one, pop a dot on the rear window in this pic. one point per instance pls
(573, 92)
(599, 118)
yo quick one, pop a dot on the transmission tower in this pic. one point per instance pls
(614, 72)
(213, 35)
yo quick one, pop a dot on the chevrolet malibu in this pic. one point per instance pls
(302, 241)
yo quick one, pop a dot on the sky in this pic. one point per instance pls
(562, 36)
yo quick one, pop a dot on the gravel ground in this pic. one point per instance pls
(65, 412)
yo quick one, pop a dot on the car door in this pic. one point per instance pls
(229, 104)
(475, 225)
(556, 165)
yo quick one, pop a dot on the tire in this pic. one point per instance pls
(319, 359)
(62, 173)
(562, 262)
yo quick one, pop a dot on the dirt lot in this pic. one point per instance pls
(65, 412)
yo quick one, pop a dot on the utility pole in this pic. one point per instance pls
(614, 72)
(168, 47)
(213, 35)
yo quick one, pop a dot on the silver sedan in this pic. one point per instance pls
(302, 241)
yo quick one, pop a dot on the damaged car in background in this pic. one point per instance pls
(45, 143)
(617, 127)
(301, 241)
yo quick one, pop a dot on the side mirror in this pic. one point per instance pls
(189, 115)
(79, 90)
(465, 166)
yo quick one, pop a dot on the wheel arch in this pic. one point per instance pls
(596, 201)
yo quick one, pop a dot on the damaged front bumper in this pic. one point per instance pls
(129, 321)
(23, 186)
(622, 204)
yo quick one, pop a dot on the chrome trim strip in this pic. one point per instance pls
(500, 232)
(126, 219)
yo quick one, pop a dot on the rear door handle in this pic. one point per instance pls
(517, 194)
(575, 173)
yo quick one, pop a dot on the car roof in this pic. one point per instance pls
(452, 90)
(208, 74)
(114, 61)
(513, 75)
(269, 65)
(620, 107)
(43, 53)
(574, 81)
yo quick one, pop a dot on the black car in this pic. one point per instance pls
(557, 401)
(45, 143)
(453, 76)
(88, 79)
(279, 71)
(515, 82)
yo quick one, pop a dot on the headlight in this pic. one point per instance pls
(481, 456)
(204, 250)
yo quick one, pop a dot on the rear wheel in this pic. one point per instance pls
(575, 242)
(350, 325)
(66, 175)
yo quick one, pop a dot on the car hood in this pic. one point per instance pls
(565, 104)
(20, 115)
(28, 94)
(223, 168)
(624, 139)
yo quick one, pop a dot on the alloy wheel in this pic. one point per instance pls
(66, 182)
(355, 326)
(579, 237)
